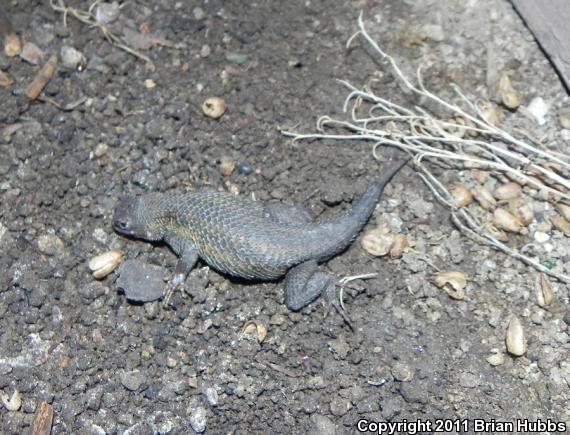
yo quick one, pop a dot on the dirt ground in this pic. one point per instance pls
(109, 366)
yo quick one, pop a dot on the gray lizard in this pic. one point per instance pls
(248, 239)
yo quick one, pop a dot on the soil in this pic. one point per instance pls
(110, 366)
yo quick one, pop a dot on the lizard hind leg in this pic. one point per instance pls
(304, 283)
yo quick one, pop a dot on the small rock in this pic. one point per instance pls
(227, 165)
(402, 372)
(31, 53)
(92, 290)
(149, 84)
(50, 244)
(538, 109)
(564, 118)
(204, 326)
(198, 419)
(211, 396)
(434, 32)
(132, 381)
(496, 359)
(244, 168)
(100, 150)
(339, 346)
(72, 58)
(12, 45)
(413, 393)
(214, 107)
(205, 51)
(277, 319)
(340, 406)
(322, 424)
(468, 380)
(237, 58)
(198, 13)
(107, 12)
(141, 282)
(13, 402)
(541, 237)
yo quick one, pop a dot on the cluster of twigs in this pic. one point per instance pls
(88, 17)
(468, 138)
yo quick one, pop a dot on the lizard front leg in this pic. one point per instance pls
(186, 262)
(304, 283)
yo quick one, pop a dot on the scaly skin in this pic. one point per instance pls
(244, 238)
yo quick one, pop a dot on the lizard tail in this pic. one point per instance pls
(329, 237)
(361, 211)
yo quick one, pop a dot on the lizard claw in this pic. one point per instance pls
(336, 302)
(173, 285)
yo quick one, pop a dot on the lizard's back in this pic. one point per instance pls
(238, 236)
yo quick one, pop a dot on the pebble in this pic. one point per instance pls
(538, 108)
(31, 53)
(541, 237)
(413, 393)
(132, 381)
(322, 424)
(100, 150)
(205, 51)
(50, 244)
(496, 359)
(237, 58)
(12, 45)
(71, 58)
(198, 419)
(107, 12)
(211, 396)
(227, 165)
(564, 118)
(434, 32)
(402, 372)
(340, 406)
(198, 13)
(468, 380)
(3, 230)
(141, 282)
(11, 402)
(244, 168)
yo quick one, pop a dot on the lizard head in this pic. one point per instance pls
(133, 218)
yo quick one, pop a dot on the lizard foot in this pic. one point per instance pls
(304, 283)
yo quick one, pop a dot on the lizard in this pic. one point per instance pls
(249, 239)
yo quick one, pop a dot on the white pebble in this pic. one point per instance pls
(538, 108)
(13, 402)
(541, 237)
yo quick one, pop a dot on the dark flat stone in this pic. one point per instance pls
(141, 282)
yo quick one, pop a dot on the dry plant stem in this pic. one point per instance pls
(421, 90)
(489, 240)
(420, 134)
(88, 18)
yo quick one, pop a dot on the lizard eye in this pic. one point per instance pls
(123, 225)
